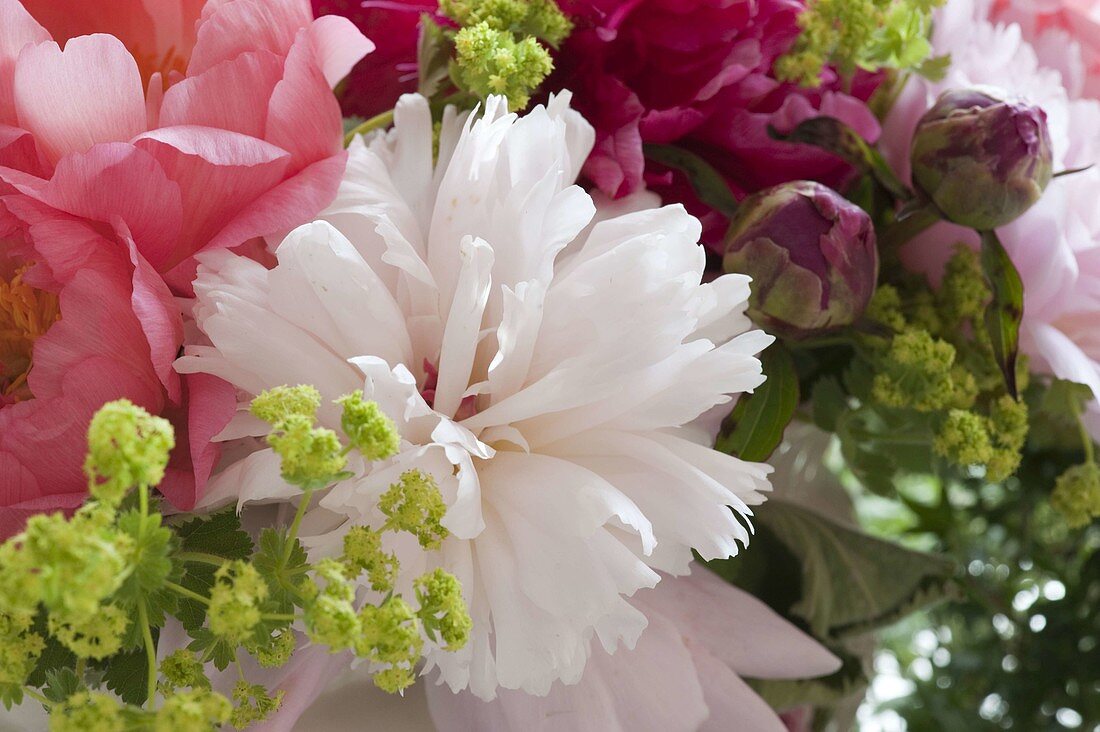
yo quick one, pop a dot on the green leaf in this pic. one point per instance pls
(219, 534)
(126, 674)
(1003, 316)
(1064, 399)
(61, 683)
(282, 577)
(851, 581)
(54, 656)
(755, 427)
(841, 140)
(211, 648)
(434, 49)
(708, 183)
(828, 401)
(819, 692)
(935, 68)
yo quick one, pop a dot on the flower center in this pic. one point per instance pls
(158, 60)
(25, 314)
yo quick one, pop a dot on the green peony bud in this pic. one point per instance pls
(811, 255)
(981, 159)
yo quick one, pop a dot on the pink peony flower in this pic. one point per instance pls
(198, 126)
(1065, 35)
(1056, 244)
(697, 74)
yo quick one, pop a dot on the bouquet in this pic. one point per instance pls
(549, 365)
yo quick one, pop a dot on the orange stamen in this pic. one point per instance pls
(25, 314)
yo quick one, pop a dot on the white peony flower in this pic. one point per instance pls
(539, 361)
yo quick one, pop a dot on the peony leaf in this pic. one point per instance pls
(707, 182)
(841, 140)
(1002, 318)
(823, 691)
(434, 49)
(755, 427)
(852, 582)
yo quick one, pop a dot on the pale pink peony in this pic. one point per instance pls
(199, 126)
(1056, 244)
(1065, 35)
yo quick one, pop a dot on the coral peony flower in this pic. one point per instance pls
(227, 126)
(1056, 243)
(90, 323)
(1065, 35)
(685, 674)
(196, 127)
(539, 366)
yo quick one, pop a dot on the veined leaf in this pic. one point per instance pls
(707, 182)
(1002, 318)
(841, 140)
(755, 427)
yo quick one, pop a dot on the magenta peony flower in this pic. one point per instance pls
(192, 126)
(697, 74)
(376, 82)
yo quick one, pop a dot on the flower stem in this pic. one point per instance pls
(150, 653)
(1086, 439)
(37, 697)
(180, 590)
(293, 534)
(280, 616)
(202, 558)
(900, 232)
(374, 123)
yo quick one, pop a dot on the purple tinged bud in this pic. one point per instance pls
(981, 159)
(811, 254)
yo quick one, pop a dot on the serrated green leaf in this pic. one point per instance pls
(210, 648)
(709, 185)
(61, 683)
(152, 565)
(54, 656)
(1003, 316)
(282, 576)
(126, 674)
(829, 133)
(1064, 399)
(851, 581)
(755, 427)
(219, 534)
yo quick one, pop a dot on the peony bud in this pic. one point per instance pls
(811, 254)
(981, 159)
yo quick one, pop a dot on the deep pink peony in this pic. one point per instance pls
(197, 126)
(1065, 35)
(376, 82)
(697, 74)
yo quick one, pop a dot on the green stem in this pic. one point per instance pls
(293, 534)
(37, 697)
(143, 500)
(180, 590)
(900, 232)
(150, 653)
(280, 616)
(374, 123)
(202, 558)
(1086, 439)
(81, 663)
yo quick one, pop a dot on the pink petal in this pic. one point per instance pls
(17, 29)
(739, 630)
(18, 151)
(90, 92)
(231, 95)
(209, 404)
(303, 114)
(233, 28)
(117, 181)
(285, 206)
(219, 173)
(160, 320)
(732, 703)
(338, 46)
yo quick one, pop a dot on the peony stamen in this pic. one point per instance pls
(26, 314)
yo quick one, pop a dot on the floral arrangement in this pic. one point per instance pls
(549, 364)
